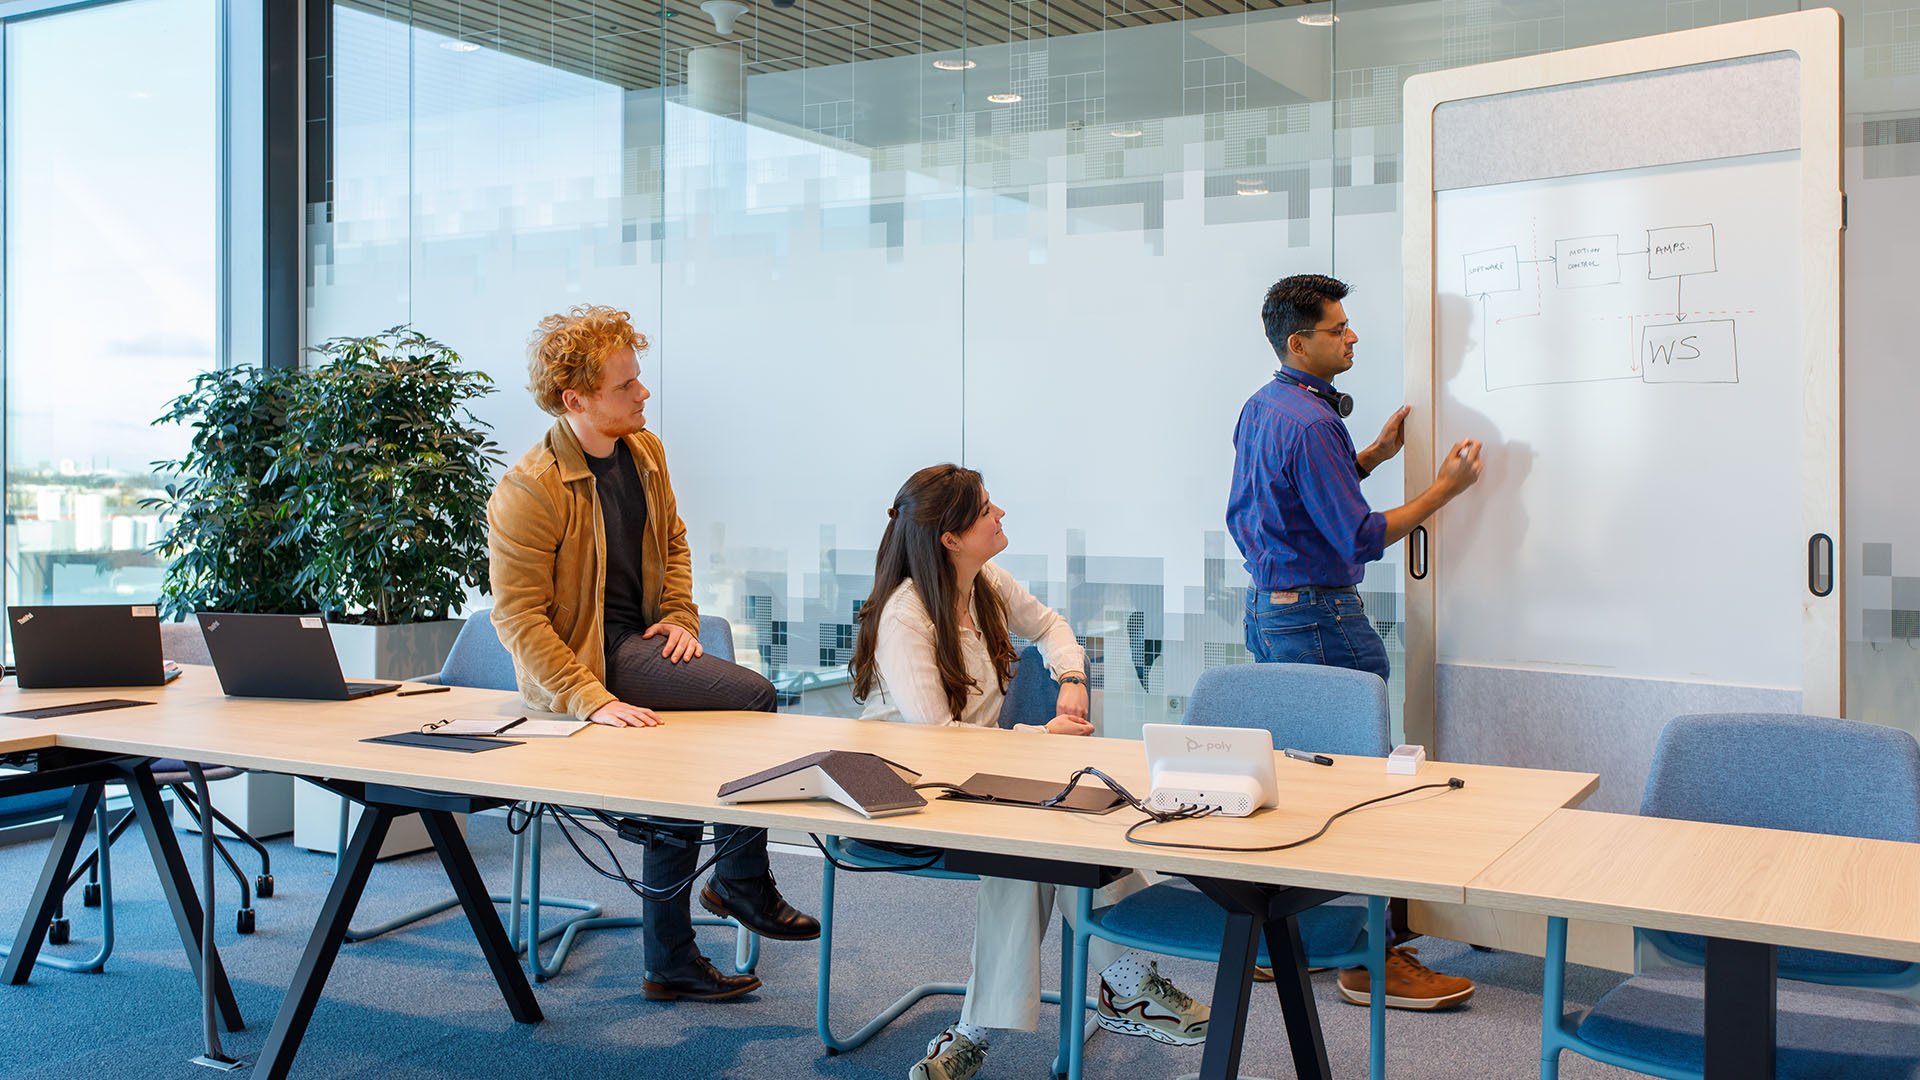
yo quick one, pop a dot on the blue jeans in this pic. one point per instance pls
(1313, 626)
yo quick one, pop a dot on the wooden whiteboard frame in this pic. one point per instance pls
(1814, 36)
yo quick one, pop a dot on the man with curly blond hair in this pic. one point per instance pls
(609, 632)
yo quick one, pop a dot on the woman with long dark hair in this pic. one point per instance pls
(934, 648)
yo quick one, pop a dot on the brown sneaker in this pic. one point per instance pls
(1410, 984)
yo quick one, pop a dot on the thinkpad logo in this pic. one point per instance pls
(212, 626)
(24, 619)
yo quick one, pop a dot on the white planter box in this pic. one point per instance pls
(393, 652)
(316, 824)
(261, 803)
(374, 652)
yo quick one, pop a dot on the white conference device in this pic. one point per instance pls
(859, 781)
(1227, 768)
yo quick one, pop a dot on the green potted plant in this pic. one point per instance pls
(392, 472)
(357, 488)
(233, 544)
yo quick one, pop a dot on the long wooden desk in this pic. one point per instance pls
(1428, 846)
(1746, 890)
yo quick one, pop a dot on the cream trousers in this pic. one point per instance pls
(1010, 920)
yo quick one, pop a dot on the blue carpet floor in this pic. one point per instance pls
(419, 1003)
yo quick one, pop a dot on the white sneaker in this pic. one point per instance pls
(950, 1056)
(1160, 1011)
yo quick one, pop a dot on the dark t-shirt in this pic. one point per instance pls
(623, 509)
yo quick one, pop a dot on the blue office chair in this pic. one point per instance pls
(1768, 771)
(1030, 700)
(183, 642)
(40, 806)
(1308, 707)
(479, 660)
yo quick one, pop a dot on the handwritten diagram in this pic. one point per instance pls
(1659, 346)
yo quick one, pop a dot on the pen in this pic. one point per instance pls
(1311, 759)
(444, 689)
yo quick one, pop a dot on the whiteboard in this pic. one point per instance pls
(1626, 343)
(1637, 307)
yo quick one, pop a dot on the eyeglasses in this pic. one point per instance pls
(1340, 330)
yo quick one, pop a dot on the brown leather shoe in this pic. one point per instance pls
(1410, 984)
(759, 907)
(701, 981)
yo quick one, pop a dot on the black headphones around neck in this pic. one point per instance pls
(1342, 403)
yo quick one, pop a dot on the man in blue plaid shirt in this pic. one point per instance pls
(1307, 533)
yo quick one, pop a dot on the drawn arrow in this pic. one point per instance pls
(1679, 313)
(1548, 259)
(1486, 331)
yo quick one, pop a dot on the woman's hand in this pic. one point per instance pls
(1068, 725)
(1072, 700)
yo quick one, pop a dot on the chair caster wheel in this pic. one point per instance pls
(90, 894)
(59, 932)
(243, 921)
(263, 886)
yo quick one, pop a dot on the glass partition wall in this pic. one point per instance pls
(1030, 237)
(109, 244)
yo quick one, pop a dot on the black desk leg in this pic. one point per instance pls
(177, 883)
(1742, 1010)
(53, 882)
(1232, 989)
(323, 947)
(1290, 978)
(482, 915)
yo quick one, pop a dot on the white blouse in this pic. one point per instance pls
(909, 685)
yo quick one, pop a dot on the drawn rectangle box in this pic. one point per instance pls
(1682, 249)
(1696, 351)
(1493, 270)
(1586, 260)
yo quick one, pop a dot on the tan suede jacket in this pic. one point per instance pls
(546, 559)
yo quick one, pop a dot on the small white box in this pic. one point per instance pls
(1406, 759)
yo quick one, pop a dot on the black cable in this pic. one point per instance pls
(960, 794)
(1454, 783)
(524, 813)
(932, 855)
(1117, 788)
(562, 817)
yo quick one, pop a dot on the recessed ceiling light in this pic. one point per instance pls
(1003, 99)
(460, 46)
(1125, 133)
(1318, 18)
(955, 65)
(1255, 189)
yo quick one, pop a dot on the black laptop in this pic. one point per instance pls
(281, 656)
(88, 645)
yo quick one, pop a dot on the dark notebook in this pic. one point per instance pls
(1020, 791)
(459, 744)
(77, 707)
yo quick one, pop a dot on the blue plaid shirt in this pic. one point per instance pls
(1296, 509)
